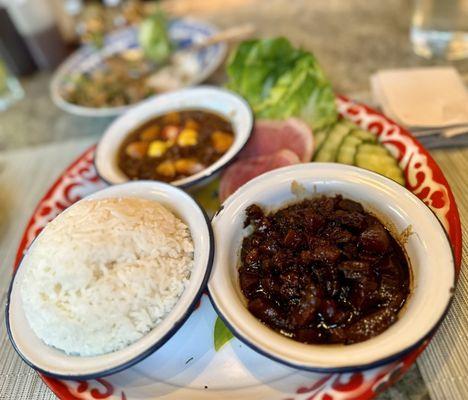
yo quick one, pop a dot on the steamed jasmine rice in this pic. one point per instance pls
(104, 273)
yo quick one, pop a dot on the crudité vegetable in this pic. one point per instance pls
(280, 81)
(154, 39)
(346, 143)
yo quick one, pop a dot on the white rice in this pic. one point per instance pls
(104, 273)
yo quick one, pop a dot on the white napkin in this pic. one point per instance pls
(425, 99)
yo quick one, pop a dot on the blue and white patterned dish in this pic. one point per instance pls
(183, 32)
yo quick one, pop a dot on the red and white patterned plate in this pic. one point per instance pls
(189, 366)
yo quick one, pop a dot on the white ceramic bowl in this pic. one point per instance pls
(222, 102)
(428, 249)
(53, 362)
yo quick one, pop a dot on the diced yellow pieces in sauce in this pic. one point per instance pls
(150, 133)
(192, 124)
(170, 132)
(188, 137)
(184, 166)
(175, 145)
(166, 168)
(221, 141)
(188, 166)
(136, 150)
(157, 148)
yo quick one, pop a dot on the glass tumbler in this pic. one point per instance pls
(439, 29)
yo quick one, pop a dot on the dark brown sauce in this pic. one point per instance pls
(323, 271)
(175, 145)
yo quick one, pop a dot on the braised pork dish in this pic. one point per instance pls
(322, 270)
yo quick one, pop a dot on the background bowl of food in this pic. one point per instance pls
(110, 280)
(184, 138)
(130, 66)
(330, 294)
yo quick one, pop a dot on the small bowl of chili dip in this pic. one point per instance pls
(329, 267)
(182, 138)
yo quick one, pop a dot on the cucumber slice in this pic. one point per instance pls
(319, 138)
(364, 135)
(377, 161)
(377, 158)
(351, 125)
(373, 148)
(347, 150)
(396, 174)
(328, 151)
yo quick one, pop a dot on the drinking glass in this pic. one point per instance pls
(10, 89)
(440, 29)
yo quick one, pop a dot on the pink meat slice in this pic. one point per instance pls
(246, 169)
(270, 136)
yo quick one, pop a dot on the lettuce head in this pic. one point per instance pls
(280, 81)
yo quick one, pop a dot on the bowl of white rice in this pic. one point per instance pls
(109, 280)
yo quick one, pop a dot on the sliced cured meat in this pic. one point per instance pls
(273, 144)
(246, 169)
(270, 136)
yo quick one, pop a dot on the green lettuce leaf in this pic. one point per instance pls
(280, 81)
(221, 334)
(154, 38)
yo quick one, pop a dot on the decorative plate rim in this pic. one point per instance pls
(455, 230)
(381, 380)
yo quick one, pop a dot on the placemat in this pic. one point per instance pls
(444, 364)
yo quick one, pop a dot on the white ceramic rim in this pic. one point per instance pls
(70, 63)
(54, 362)
(220, 101)
(429, 251)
